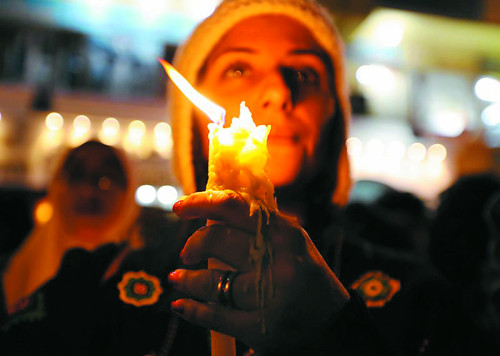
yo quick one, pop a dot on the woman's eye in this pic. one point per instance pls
(236, 71)
(307, 76)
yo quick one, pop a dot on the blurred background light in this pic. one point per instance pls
(81, 130)
(162, 132)
(434, 169)
(134, 138)
(487, 89)
(375, 147)
(490, 116)
(52, 139)
(81, 123)
(151, 10)
(416, 151)
(389, 33)
(354, 146)
(145, 194)
(110, 131)
(163, 139)
(376, 75)
(437, 152)
(136, 130)
(167, 195)
(202, 9)
(98, 8)
(448, 123)
(54, 121)
(396, 149)
(43, 212)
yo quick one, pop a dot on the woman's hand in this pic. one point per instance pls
(301, 294)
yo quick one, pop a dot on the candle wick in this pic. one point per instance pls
(222, 119)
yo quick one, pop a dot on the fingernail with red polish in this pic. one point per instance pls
(177, 307)
(176, 208)
(174, 277)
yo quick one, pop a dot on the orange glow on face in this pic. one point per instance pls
(43, 212)
(215, 112)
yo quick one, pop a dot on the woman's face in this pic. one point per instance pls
(93, 191)
(275, 65)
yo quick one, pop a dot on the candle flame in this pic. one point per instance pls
(215, 112)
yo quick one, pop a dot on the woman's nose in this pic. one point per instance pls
(86, 190)
(277, 93)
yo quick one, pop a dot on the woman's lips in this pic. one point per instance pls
(89, 207)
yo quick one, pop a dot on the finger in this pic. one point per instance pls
(227, 244)
(203, 285)
(237, 323)
(226, 206)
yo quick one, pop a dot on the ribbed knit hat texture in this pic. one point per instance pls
(191, 56)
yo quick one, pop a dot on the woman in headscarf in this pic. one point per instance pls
(84, 282)
(283, 58)
(91, 202)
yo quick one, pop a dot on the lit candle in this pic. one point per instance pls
(237, 162)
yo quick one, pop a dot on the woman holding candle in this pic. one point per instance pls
(284, 59)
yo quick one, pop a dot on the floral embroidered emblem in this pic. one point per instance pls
(29, 309)
(376, 288)
(139, 288)
(20, 305)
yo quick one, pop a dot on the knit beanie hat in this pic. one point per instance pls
(191, 56)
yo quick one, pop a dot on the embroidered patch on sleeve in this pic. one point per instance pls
(29, 309)
(139, 288)
(376, 288)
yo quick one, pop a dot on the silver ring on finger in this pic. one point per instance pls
(225, 289)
